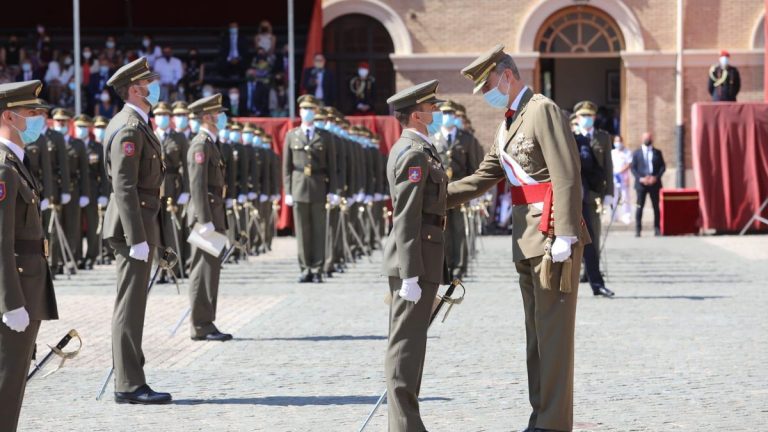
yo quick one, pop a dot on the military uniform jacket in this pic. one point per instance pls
(261, 168)
(230, 169)
(99, 185)
(134, 165)
(340, 149)
(175, 158)
(276, 174)
(540, 140)
(80, 183)
(206, 182)
(309, 167)
(602, 144)
(418, 187)
(25, 279)
(57, 152)
(350, 166)
(460, 158)
(40, 165)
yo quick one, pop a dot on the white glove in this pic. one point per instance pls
(334, 199)
(252, 196)
(359, 197)
(228, 203)
(66, 198)
(377, 197)
(207, 228)
(44, 204)
(140, 251)
(183, 198)
(17, 319)
(84, 201)
(351, 200)
(368, 199)
(561, 248)
(102, 201)
(241, 198)
(410, 291)
(275, 197)
(264, 197)
(289, 201)
(608, 201)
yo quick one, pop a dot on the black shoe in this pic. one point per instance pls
(215, 335)
(304, 278)
(329, 274)
(602, 291)
(143, 396)
(637, 233)
(89, 264)
(162, 280)
(583, 278)
(339, 268)
(81, 265)
(317, 278)
(58, 270)
(657, 232)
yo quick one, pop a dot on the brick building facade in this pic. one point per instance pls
(619, 53)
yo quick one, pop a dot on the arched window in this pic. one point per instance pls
(578, 30)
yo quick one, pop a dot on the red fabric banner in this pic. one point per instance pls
(386, 126)
(765, 61)
(314, 39)
(730, 162)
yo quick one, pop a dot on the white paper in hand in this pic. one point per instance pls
(211, 242)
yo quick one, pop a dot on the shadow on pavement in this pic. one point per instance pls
(670, 297)
(327, 338)
(295, 400)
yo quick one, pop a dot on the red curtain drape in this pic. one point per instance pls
(386, 126)
(765, 48)
(730, 162)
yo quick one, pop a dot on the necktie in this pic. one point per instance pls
(26, 164)
(309, 135)
(509, 115)
(450, 140)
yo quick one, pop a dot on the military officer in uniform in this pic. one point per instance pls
(26, 288)
(414, 257)
(99, 189)
(460, 160)
(535, 150)
(79, 183)
(276, 181)
(230, 184)
(60, 178)
(602, 144)
(182, 125)
(362, 91)
(309, 178)
(724, 81)
(207, 182)
(133, 157)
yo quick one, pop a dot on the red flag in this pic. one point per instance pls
(765, 63)
(314, 39)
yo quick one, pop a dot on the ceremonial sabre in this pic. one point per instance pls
(440, 301)
(57, 350)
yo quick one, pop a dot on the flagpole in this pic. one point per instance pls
(679, 126)
(291, 63)
(76, 55)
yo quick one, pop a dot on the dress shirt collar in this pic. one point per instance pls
(141, 112)
(209, 133)
(15, 148)
(516, 102)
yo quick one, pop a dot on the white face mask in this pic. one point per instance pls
(363, 72)
(724, 61)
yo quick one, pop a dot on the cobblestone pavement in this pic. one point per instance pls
(683, 346)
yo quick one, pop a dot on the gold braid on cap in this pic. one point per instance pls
(423, 98)
(24, 102)
(483, 76)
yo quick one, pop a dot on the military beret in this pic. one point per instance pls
(180, 108)
(162, 108)
(100, 121)
(585, 108)
(132, 72)
(478, 70)
(22, 94)
(83, 120)
(307, 101)
(62, 114)
(420, 93)
(208, 104)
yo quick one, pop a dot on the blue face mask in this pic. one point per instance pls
(459, 123)
(307, 115)
(194, 126)
(71, 86)
(320, 124)
(33, 129)
(234, 136)
(257, 141)
(437, 120)
(449, 120)
(181, 122)
(154, 93)
(248, 138)
(221, 121)
(81, 132)
(496, 99)
(61, 129)
(223, 134)
(98, 134)
(162, 121)
(586, 122)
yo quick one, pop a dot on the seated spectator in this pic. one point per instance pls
(318, 81)
(105, 107)
(194, 75)
(170, 70)
(98, 83)
(265, 39)
(233, 54)
(149, 50)
(207, 90)
(67, 98)
(88, 63)
(281, 61)
(12, 54)
(234, 103)
(27, 72)
(261, 77)
(278, 98)
(60, 70)
(5, 74)
(111, 53)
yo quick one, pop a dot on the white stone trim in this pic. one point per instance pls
(452, 61)
(701, 58)
(401, 37)
(758, 33)
(621, 13)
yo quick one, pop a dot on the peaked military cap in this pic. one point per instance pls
(585, 108)
(83, 120)
(420, 93)
(180, 108)
(460, 109)
(100, 121)
(449, 106)
(267, 138)
(132, 72)
(62, 114)
(22, 94)
(478, 70)
(307, 101)
(162, 108)
(248, 127)
(208, 104)
(234, 126)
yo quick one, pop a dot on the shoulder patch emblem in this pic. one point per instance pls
(3, 191)
(129, 148)
(199, 158)
(414, 174)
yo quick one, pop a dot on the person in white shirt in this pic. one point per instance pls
(622, 161)
(170, 70)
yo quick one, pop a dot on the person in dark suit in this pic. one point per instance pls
(724, 80)
(28, 72)
(234, 102)
(97, 84)
(319, 82)
(254, 94)
(647, 168)
(233, 53)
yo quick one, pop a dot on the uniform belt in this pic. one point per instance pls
(322, 171)
(436, 220)
(31, 247)
(155, 192)
(537, 193)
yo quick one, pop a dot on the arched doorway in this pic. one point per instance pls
(350, 39)
(580, 58)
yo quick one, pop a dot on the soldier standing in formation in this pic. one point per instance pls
(414, 255)
(98, 188)
(26, 287)
(207, 183)
(135, 168)
(183, 134)
(309, 178)
(535, 150)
